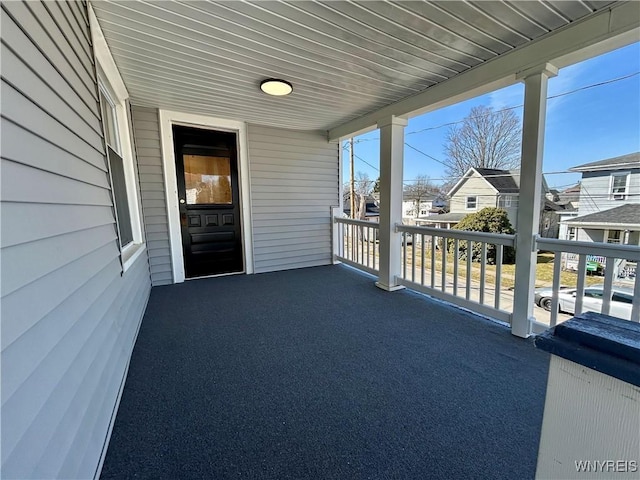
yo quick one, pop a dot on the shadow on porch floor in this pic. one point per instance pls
(316, 373)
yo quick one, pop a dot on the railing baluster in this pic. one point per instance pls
(433, 261)
(368, 243)
(456, 251)
(422, 260)
(608, 285)
(413, 258)
(375, 246)
(483, 270)
(469, 259)
(499, 256)
(444, 264)
(635, 306)
(582, 273)
(404, 255)
(555, 302)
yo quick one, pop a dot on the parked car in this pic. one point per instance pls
(621, 300)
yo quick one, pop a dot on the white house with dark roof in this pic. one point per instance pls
(609, 208)
(486, 187)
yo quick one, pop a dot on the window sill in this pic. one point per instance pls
(131, 253)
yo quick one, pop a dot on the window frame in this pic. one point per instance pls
(122, 135)
(616, 239)
(475, 202)
(616, 195)
(505, 201)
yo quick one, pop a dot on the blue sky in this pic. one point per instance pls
(585, 126)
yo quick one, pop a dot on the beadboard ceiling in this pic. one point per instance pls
(344, 59)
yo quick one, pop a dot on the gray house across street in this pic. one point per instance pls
(609, 208)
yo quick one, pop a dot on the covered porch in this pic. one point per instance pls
(295, 372)
(316, 373)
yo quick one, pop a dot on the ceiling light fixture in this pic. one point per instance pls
(275, 86)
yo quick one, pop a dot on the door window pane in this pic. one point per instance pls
(207, 179)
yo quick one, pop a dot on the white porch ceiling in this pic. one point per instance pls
(344, 59)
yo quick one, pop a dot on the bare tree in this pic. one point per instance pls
(419, 191)
(485, 139)
(363, 188)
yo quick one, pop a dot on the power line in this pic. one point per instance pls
(551, 97)
(426, 154)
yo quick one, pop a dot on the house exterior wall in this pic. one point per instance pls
(595, 191)
(146, 132)
(590, 235)
(69, 318)
(294, 183)
(410, 212)
(486, 196)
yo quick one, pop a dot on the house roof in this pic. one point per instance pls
(627, 214)
(345, 60)
(504, 181)
(631, 160)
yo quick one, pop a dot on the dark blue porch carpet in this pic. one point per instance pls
(316, 373)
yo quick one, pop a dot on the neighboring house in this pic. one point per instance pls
(412, 207)
(569, 201)
(480, 188)
(371, 212)
(609, 205)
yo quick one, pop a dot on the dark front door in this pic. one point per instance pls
(209, 201)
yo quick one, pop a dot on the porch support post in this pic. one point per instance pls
(535, 106)
(391, 160)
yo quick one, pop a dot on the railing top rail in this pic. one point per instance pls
(493, 238)
(628, 252)
(352, 221)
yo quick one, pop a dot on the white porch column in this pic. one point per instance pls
(535, 108)
(391, 160)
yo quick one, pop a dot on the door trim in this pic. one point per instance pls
(167, 119)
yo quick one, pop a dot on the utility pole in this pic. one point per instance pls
(352, 183)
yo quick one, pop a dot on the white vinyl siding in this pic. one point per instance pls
(69, 317)
(294, 184)
(596, 190)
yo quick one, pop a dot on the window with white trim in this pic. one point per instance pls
(472, 203)
(614, 236)
(116, 127)
(619, 186)
(115, 124)
(116, 169)
(571, 233)
(505, 201)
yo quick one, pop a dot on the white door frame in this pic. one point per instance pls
(169, 118)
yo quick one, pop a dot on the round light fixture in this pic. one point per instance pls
(275, 86)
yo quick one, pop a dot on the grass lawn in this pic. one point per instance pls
(544, 270)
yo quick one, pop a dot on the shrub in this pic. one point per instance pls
(491, 220)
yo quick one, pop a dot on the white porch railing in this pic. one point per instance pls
(618, 263)
(357, 243)
(431, 263)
